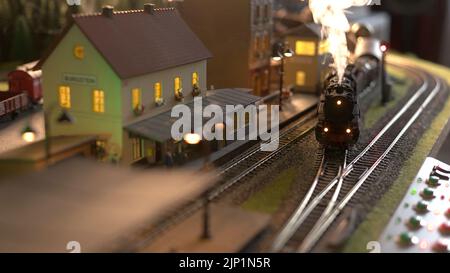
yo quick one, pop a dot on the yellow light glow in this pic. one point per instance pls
(29, 137)
(136, 98)
(348, 131)
(219, 126)
(192, 139)
(195, 80)
(177, 85)
(64, 97)
(78, 52)
(305, 48)
(339, 102)
(324, 47)
(325, 130)
(98, 101)
(158, 91)
(300, 78)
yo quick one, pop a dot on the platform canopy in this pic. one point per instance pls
(100, 206)
(158, 128)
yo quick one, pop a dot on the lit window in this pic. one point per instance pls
(78, 52)
(137, 146)
(324, 47)
(307, 48)
(195, 79)
(158, 92)
(300, 78)
(98, 101)
(136, 98)
(177, 85)
(64, 96)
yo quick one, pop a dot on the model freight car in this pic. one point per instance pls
(24, 91)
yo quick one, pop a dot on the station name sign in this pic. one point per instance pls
(80, 79)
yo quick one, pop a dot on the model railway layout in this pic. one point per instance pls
(210, 126)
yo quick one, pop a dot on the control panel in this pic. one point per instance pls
(421, 223)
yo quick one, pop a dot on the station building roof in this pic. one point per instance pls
(139, 42)
(158, 128)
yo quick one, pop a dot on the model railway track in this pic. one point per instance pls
(236, 171)
(247, 164)
(328, 195)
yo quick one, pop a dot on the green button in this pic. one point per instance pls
(415, 222)
(407, 239)
(422, 206)
(428, 193)
(433, 181)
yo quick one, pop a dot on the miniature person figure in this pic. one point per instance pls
(168, 159)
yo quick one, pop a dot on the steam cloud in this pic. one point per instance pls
(331, 15)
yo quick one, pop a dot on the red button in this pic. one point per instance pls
(442, 245)
(445, 228)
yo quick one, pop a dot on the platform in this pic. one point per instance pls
(294, 107)
(232, 229)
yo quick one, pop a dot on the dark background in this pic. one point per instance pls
(421, 27)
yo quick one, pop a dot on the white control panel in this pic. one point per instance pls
(421, 223)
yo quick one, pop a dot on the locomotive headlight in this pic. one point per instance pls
(325, 130)
(339, 102)
(348, 131)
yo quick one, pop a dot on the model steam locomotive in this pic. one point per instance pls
(338, 110)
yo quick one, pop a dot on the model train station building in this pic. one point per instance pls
(119, 73)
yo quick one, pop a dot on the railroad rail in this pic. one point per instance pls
(235, 171)
(321, 205)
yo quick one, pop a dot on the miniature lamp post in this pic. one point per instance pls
(29, 134)
(196, 139)
(280, 52)
(385, 89)
(220, 127)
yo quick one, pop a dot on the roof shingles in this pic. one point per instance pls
(136, 43)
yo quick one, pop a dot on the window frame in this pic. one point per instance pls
(157, 91)
(136, 98)
(195, 79)
(98, 101)
(64, 96)
(177, 85)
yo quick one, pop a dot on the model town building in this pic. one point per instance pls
(304, 71)
(239, 34)
(120, 73)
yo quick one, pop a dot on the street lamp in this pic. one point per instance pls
(195, 139)
(29, 133)
(280, 52)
